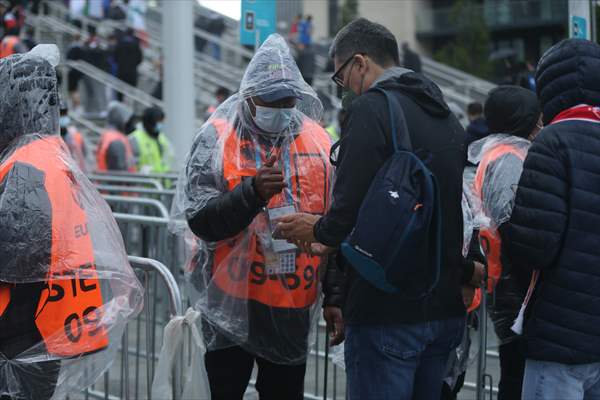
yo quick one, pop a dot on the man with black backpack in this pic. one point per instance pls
(398, 336)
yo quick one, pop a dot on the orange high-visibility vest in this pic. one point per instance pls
(490, 240)
(309, 173)
(76, 144)
(69, 309)
(107, 138)
(7, 47)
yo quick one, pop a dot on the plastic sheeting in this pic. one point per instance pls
(67, 290)
(195, 379)
(469, 223)
(252, 290)
(494, 188)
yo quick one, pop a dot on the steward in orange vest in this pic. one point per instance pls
(262, 155)
(114, 149)
(52, 305)
(10, 45)
(73, 138)
(513, 117)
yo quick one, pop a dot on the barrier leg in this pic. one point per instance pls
(481, 360)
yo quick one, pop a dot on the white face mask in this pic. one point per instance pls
(273, 120)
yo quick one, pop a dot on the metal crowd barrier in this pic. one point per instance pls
(131, 375)
(163, 177)
(147, 236)
(127, 181)
(137, 206)
(165, 195)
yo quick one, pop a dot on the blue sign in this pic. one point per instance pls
(579, 27)
(258, 21)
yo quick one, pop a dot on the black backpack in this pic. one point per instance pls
(396, 242)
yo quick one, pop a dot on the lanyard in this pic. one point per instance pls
(287, 173)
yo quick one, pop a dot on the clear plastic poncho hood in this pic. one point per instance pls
(500, 164)
(252, 290)
(67, 290)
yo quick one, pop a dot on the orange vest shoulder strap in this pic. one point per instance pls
(490, 157)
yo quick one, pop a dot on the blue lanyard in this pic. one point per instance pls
(287, 173)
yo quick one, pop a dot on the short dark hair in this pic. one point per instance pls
(475, 108)
(364, 36)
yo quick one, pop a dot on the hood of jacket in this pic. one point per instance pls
(118, 115)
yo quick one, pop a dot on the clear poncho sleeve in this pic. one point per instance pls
(254, 291)
(469, 223)
(67, 290)
(500, 163)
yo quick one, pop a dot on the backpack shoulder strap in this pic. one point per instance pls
(397, 120)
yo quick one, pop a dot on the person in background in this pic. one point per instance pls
(117, 10)
(527, 78)
(95, 9)
(151, 148)
(335, 128)
(411, 60)
(4, 7)
(395, 348)
(157, 92)
(221, 94)
(73, 138)
(114, 150)
(75, 52)
(514, 119)
(216, 26)
(554, 229)
(294, 28)
(128, 57)
(305, 32)
(136, 18)
(477, 128)
(94, 99)
(11, 42)
(29, 38)
(307, 63)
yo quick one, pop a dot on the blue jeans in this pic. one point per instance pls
(399, 362)
(549, 380)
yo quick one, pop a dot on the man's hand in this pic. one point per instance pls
(268, 180)
(298, 229)
(335, 324)
(318, 249)
(468, 293)
(478, 274)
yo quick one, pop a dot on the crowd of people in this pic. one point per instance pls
(422, 220)
(397, 215)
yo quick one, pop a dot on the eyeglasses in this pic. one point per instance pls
(337, 77)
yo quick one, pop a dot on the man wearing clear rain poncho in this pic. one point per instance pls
(66, 288)
(260, 156)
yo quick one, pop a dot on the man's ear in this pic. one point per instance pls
(361, 63)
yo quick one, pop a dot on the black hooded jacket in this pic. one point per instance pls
(364, 147)
(555, 224)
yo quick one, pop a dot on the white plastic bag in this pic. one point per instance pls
(194, 377)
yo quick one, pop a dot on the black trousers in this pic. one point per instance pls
(229, 371)
(512, 369)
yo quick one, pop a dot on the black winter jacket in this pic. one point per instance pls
(555, 225)
(364, 147)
